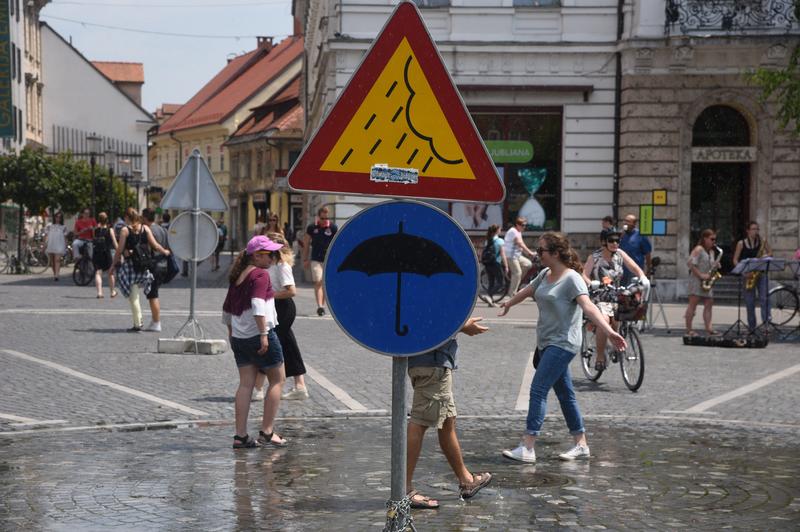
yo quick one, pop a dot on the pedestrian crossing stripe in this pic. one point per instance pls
(400, 109)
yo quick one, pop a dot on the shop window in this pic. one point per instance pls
(526, 147)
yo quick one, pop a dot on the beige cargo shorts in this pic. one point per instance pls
(433, 399)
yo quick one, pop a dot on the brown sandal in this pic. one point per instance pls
(479, 481)
(421, 502)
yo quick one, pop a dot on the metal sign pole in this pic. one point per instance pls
(398, 515)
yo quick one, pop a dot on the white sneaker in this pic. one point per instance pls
(579, 452)
(298, 394)
(258, 394)
(521, 454)
(155, 326)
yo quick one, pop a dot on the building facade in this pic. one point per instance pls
(217, 110)
(537, 73)
(262, 150)
(625, 106)
(699, 147)
(79, 101)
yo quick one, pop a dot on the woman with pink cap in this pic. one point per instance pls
(249, 313)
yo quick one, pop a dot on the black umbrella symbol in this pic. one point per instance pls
(399, 253)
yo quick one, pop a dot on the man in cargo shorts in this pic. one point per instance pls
(433, 406)
(317, 240)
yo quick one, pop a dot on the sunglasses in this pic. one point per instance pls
(542, 250)
(613, 240)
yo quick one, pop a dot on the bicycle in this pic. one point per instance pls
(34, 257)
(496, 296)
(83, 273)
(5, 261)
(630, 309)
(784, 302)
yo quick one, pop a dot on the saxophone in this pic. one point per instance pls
(752, 277)
(714, 275)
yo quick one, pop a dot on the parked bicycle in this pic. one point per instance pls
(784, 302)
(499, 292)
(34, 259)
(630, 309)
(83, 273)
(5, 260)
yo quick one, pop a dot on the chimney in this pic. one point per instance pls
(264, 42)
(297, 31)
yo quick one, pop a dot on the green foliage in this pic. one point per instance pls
(38, 181)
(784, 85)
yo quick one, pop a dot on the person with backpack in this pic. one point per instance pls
(103, 242)
(133, 260)
(160, 235)
(493, 258)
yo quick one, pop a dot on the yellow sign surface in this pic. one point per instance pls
(401, 124)
(659, 197)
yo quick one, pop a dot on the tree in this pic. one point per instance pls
(784, 85)
(38, 181)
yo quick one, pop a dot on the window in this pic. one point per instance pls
(259, 164)
(221, 160)
(533, 188)
(432, 3)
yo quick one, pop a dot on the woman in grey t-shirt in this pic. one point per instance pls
(561, 295)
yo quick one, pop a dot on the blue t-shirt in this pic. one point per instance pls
(498, 245)
(636, 246)
(321, 238)
(443, 357)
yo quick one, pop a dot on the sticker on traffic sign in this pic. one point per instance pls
(401, 278)
(399, 111)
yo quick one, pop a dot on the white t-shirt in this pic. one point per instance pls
(280, 274)
(244, 325)
(513, 250)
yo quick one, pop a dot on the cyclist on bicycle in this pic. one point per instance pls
(84, 233)
(606, 265)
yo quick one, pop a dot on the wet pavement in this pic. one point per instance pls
(335, 476)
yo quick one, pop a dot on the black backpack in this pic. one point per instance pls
(488, 254)
(100, 241)
(141, 254)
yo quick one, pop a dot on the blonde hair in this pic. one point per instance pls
(286, 253)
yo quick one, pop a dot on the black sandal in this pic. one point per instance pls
(244, 442)
(266, 439)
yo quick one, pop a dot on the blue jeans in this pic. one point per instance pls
(553, 372)
(763, 299)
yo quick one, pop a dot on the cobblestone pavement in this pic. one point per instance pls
(707, 442)
(334, 476)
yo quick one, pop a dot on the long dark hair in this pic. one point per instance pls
(243, 260)
(558, 244)
(491, 232)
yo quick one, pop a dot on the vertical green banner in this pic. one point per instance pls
(646, 219)
(6, 109)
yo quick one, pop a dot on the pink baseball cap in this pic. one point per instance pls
(262, 243)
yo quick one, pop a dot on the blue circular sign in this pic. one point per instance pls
(401, 278)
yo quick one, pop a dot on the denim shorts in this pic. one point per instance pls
(245, 350)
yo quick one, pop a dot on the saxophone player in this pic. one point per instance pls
(750, 247)
(703, 264)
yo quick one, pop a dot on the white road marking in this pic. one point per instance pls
(341, 395)
(41, 423)
(738, 392)
(103, 382)
(18, 419)
(523, 398)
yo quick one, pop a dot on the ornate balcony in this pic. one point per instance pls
(730, 16)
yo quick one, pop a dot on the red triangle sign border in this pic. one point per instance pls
(405, 22)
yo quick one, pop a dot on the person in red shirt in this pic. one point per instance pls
(84, 232)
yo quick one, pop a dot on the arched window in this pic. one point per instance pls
(720, 125)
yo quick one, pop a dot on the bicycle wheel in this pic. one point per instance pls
(36, 260)
(632, 360)
(496, 296)
(589, 354)
(4, 261)
(83, 273)
(783, 304)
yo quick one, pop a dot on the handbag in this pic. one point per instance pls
(165, 268)
(537, 356)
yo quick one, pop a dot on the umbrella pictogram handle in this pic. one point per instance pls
(400, 331)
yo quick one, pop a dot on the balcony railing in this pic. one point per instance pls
(730, 16)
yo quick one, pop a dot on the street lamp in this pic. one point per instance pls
(94, 143)
(125, 171)
(110, 160)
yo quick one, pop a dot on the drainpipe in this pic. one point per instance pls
(618, 108)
